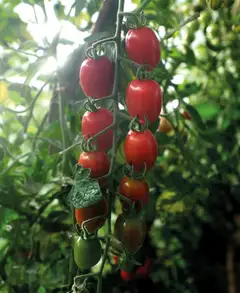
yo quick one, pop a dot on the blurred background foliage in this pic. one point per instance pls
(195, 200)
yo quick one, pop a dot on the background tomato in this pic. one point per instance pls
(143, 46)
(96, 77)
(164, 125)
(144, 98)
(131, 231)
(186, 115)
(94, 122)
(87, 252)
(98, 209)
(127, 276)
(143, 271)
(140, 148)
(134, 189)
(97, 161)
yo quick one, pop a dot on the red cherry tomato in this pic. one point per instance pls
(95, 210)
(144, 98)
(115, 259)
(134, 189)
(97, 161)
(140, 148)
(143, 46)
(131, 231)
(143, 271)
(127, 276)
(96, 77)
(94, 122)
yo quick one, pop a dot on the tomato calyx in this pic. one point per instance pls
(95, 52)
(129, 171)
(138, 125)
(134, 20)
(90, 106)
(144, 72)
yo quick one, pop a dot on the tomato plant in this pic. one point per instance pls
(143, 46)
(144, 99)
(141, 148)
(93, 123)
(97, 161)
(134, 189)
(87, 252)
(96, 77)
(131, 231)
(97, 210)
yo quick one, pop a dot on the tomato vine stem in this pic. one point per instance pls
(190, 19)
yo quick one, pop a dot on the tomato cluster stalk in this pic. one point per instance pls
(99, 79)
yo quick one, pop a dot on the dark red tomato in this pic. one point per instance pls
(127, 276)
(143, 271)
(94, 122)
(96, 77)
(131, 231)
(134, 189)
(144, 98)
(97, 161)
(98, 209)
(143, 46)
(140, 148)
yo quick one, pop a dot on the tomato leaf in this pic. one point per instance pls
(195, 116)
(79, 5)
(85, 192)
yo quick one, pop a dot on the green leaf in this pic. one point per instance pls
(154, 126)
(33, 69)
(208, 110)
(195, 116)
(85, 192)
(79, 4)
(41, 290)
(163, 138)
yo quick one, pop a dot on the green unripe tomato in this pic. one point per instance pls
(87, 252)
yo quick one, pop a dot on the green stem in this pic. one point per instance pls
(63, 130)
(190, 19)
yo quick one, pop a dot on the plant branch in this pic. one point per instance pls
(190, 19)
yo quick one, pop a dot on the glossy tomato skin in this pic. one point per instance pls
(96, 77)
(97, 161)
(134, 189)
(142, 46)
(144, 98)
(87, 252)
(140, 148)
(95, 210)
(94, 122)
(131, 231)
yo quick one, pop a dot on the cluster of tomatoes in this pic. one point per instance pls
(143, 101)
